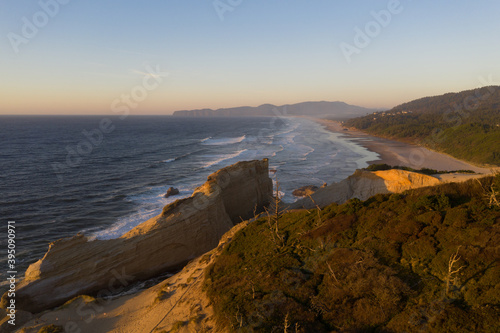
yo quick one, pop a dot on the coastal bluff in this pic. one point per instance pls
(364, 184)
(186, 229)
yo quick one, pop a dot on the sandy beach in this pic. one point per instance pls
(397, 153)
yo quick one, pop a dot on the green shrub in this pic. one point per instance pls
(378, 167)
(456, 217)
(51, 329)
(177, 326)
(378, 265)
(352, 206)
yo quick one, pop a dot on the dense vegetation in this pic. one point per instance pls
(465, 125)
(425, 171)
(51, 329)
(425, 260)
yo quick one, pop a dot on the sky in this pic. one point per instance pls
(156, 57)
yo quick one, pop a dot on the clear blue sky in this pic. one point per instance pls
(89, 54)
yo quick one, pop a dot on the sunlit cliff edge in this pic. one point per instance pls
(192, 230)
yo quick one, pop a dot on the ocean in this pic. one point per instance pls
(102, 176)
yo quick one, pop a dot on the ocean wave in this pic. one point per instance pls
(260, 138)
(150, 202)
(266, 140)
(221, 158)
(281, 192)
(302, 151)
(306, 150)
(222, 141)
(294, 152)
(170, 160)
(125, 224)
(287, 139)
(292, 126)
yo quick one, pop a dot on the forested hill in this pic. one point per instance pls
(465, 124)
(332, 110)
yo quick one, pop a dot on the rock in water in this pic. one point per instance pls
(171, 191)
(304, 191)
(186, 229)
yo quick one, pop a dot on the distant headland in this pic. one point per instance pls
(337, 110)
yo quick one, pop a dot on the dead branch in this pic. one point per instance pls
(287, 324)
(318, 209)
(451, 271)
(331, 272)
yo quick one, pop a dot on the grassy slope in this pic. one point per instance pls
(378, 265)
(462, 124)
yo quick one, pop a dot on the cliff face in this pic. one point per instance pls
(186, 229)
(364, 184)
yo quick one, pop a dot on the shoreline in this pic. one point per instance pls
(145, 309)
(397, 153)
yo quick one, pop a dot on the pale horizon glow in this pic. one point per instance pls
(87, 55)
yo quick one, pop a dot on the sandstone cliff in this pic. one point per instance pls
(186, 229)
(364, 184)
(182, 296)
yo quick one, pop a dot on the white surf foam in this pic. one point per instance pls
(222, 141)
(304, 154)
(217, 159)
(150, 204)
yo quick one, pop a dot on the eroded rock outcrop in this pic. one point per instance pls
(171, 191)
(305, 191)
(364, 184)
(186, 229)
